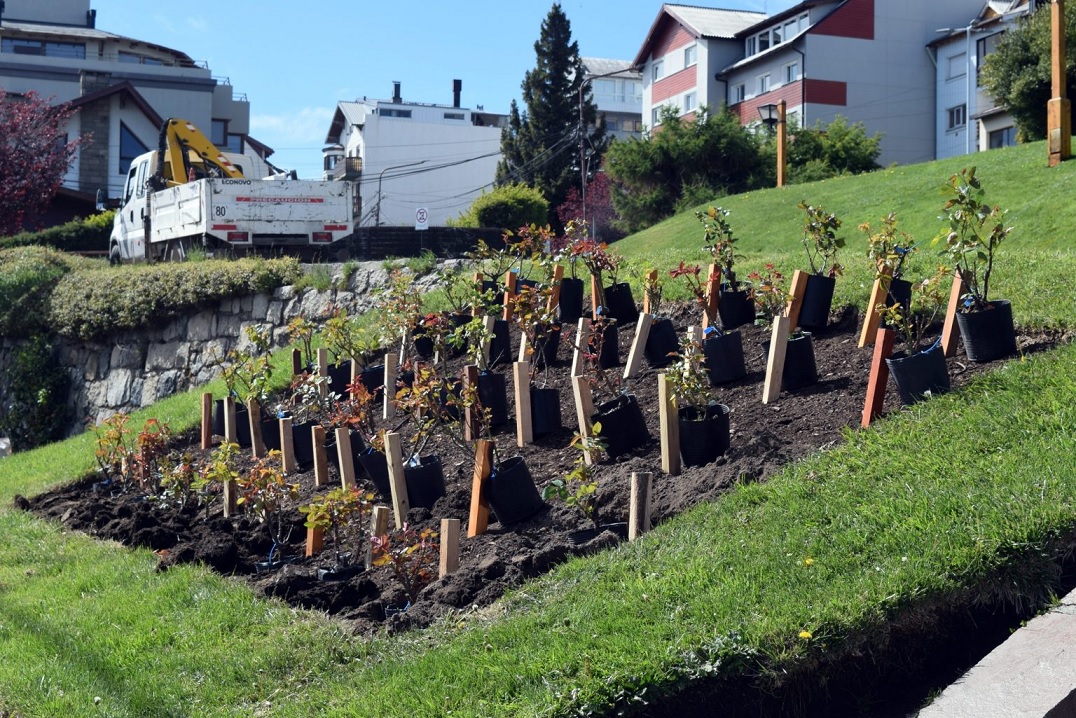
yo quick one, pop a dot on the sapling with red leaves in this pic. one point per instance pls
(771, 294)
(720, 243)
(411, 554)
(267, 494)
(914, 321)
(691, 274)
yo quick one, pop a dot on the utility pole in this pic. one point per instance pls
(782, 140)
(1059, 108)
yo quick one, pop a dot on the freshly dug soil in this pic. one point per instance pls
(763, 439)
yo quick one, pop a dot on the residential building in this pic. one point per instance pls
(865, 60)
(123, 88)
(968, 118)
(617, 89)
(409, 156)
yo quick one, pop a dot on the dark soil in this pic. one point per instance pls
(764, 438)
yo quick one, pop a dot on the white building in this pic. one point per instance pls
(123, 88)
(409, 156)
(968, 118)
(617, 90)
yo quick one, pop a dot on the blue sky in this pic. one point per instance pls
(296, 60)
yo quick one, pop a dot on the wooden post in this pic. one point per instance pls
(207, 420)
(379, 526)
(883, 347)
(389, 392)
(315, 541)
(872, 319)
(582, 337)
(355, 373)
(344, 455)
(521, 376)
(651, 278)
(488, 323)
(287, 446)
(323, 372)
(799, 286)
(782, 142)
(483, 466)
(397, 483)
(231, 434)
(584, 409)
(470, 414)
(321, 461)
(669, 421)
(450, 547)
(713, 294)
(522, 356)
(254, 421)
(554, 294)
(296, 361)
(596, 296)
(1058, 108)
(230, 498)
(509, 294)
(476, 308)
(638, 346)
(950, 330)
(775, 364)
(639, 505)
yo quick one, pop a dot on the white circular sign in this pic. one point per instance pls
(422, 218)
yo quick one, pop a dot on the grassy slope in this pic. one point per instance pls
(834, 546)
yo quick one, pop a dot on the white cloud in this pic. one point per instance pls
(306, 126)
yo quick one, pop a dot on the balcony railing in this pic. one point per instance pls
(348, 168)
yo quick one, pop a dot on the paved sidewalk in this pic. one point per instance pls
(1031, 675)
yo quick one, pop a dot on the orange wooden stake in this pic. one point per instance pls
(713, 294)
(483, 466)
(207, 420)
(509, 294)
(315, 541)
(950, 331)
(883, 347)
(554, 294)
(871, 318)
(651, 279)
(799, 287)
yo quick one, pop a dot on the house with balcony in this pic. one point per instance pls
(968, 119)
(408, 156)
(865, 60)
(617, 91)
(122, 87)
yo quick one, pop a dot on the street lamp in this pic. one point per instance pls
(380, 176)
(768, 113)
(773, 116)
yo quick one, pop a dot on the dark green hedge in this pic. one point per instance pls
(27, 278)
(80, 235)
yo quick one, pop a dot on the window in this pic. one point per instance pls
(218, 132)
(453, 115)
(803, 22)
(958, 66)
(957, 117)
(739, 93)
(792, 72)
(749, 46)
(612, 124)
(393, 112)
(984, 47)
(234, 143)
(658, 70)
(791, 28)
(1002, 138)
(690, 101)
(17, 46)
(135, 59)
(130, 147)
(690, 55)
(764, 41)
(776, 36)
(655, 117)
(763, 83)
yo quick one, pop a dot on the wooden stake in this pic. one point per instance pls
(488, 323)
(582, 337)
(397, 482)
(775, 364)
(287, 446)
(639, 503)
(483, 466)
(345, 456)
(584, 409)
(254, 421)
(950, 330)
(651, 278)
(391, 368)
(321, 461)
(207, 420)
(231, 433)
(799, 287)
(554, 294)
(521, 376)
(450, 547)
(638, 346)
(379, 526)
(872, 319)
(296, 361)
(231, 498)
(509, 294)
(470, 414)
(355, 374)
(315, 541)
(669, 422)
(522, 356)
(596, 296)
(323, 371)
(883, 347)
(713, 294)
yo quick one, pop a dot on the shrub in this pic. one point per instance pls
(79, 235)
(508, 207)
(27, 277)
(35, 411)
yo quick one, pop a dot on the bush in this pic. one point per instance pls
(35, 411)
(509, 207)
(27, 278)
(79, 235)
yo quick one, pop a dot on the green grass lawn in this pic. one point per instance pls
(966, 498)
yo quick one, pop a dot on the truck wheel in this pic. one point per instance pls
(114, 255)
(175, 252)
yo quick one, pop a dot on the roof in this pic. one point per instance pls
(699, 21)
(346, 114)
(127, 89)
(88, 33)
(597, 66)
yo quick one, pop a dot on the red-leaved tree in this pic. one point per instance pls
(34, 155)
(599, 209)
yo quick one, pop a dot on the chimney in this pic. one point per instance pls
(91, 19)
(396, 92)
(1, 12)
(457, 87)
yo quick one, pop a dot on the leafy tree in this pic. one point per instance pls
(1017, 73)
(682, 162)
(508, 207)
(599, 211)
(540, 145)
(34, 155)
(835, 149)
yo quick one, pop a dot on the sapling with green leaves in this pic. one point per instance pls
(247, 371)
(888, 248)
(579, 487)
(771, 294)
(689, 379)
(265, 491)
(928, 300)
(344, 515)
(412, 555)
(301, 331)
(720, 242)
(820, 240)
(348, 339)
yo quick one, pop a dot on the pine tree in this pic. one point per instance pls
(541, 146)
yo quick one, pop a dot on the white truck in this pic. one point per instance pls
(188, 193)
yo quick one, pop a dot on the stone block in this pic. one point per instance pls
(284, 293)
(228, 326)
(201, 327)
(259, 307)
(126, 356)
(160, 357)
(118, 391)
(246, 305)
(274, 313)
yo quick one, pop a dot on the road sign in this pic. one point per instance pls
(422, 218)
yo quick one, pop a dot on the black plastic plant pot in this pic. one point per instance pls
(373, 378)
(724, 357)
(919, 375)
(610, 348)
(303, 440)
(661, 343)
(512, 493)
(339, 573)
(623, 427)
(500, 347)
(620, 303)
(800, 369)
(458, 319)
(988, 334)
(545, 411)
(817, 300)
(449, 398)
(423, 343)
(490, 285)
(900, 292)
(376, 467)
(735, 308)
(571, 300)
(493, 394)
(425, 482)
(356, 446)
(703, 438)
(339, 377)
(242, 422)
(584, 536)
(546, 346)
(271, 433)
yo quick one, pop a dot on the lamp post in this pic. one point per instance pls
(380, 176)
(1059, 108)
(773, 116)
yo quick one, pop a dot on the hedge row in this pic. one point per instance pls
(27, 277)
(79, 235)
